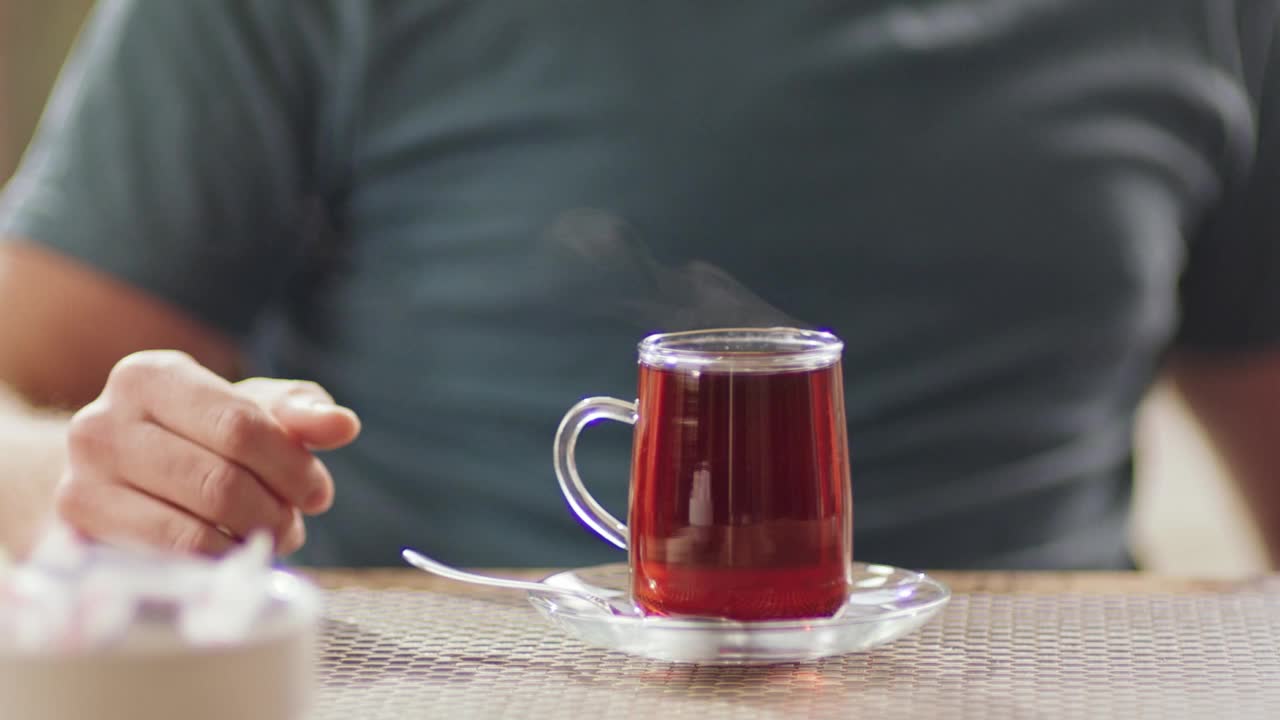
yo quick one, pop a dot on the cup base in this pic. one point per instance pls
(884, 604)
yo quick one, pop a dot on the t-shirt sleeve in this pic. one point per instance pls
(1230, 287)
(174, 154)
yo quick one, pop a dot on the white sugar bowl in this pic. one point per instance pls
(154, 673)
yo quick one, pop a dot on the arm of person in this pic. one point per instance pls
(1225, 361)
(1236, 399)
(64, 327)
(155, 461)
(158, 210)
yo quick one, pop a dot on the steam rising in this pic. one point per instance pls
(625, 282)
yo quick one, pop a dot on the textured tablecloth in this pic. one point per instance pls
(399, 644)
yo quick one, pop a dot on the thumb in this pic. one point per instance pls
(305, 410)
(318, 424)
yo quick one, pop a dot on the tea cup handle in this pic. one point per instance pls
(584, 506)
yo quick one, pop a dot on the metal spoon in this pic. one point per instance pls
(426, 564)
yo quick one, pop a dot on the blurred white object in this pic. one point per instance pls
(235, 595)
(90, 631)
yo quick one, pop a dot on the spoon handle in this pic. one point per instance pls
(435, 567)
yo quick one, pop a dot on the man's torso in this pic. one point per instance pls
(990, 201)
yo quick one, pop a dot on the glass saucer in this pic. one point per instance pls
(885, 604)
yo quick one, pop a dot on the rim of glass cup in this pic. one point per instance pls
(769, 349)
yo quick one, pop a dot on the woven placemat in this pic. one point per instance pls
(415, 654)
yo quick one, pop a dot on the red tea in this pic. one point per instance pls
(740, 502)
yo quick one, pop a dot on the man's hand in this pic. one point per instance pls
(173, 456)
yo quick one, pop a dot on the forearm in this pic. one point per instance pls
(1237, 402)
(31, 461)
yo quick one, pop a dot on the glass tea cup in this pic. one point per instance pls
(740, 505)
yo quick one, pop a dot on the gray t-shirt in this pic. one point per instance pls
(461, 216)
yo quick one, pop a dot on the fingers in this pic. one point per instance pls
(114, 513)
(306, 410)
(144, 458)
(176, 393)
(318, 425)
(268, 391)
(212, 488)
(293, 538)
(173, 456)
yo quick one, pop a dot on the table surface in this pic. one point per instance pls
(402, 644)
